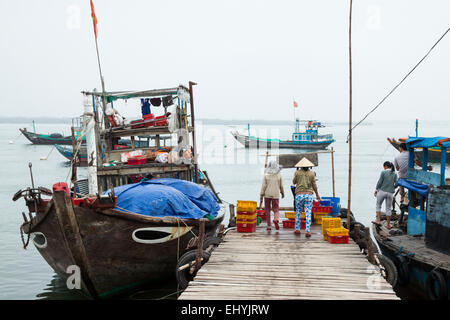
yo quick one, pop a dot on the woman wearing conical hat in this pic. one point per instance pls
(305, 186)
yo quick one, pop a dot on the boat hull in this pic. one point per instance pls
(111, 259)
(36, 138)
(419, 265)
(284, 144)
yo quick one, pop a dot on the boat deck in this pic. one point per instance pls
(278, 264)
(413, 246)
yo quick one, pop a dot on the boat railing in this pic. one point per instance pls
(325, 137)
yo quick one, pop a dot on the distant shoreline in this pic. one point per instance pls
(207, 121)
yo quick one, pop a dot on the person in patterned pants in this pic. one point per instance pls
(305, 184)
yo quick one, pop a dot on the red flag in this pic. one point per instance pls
(295, 104)
(94, 19)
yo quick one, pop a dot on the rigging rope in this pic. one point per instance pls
(404, 78)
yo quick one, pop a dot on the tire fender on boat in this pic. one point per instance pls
(184, 276)
(436, 286)
(390, 269)
(401, 263)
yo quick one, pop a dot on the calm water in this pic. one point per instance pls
(235, 172)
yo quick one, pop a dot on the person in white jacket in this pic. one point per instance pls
(272, 187)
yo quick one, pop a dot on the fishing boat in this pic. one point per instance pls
(419, 243)
(308, 139)
(104, 232)
(434, 153)
(53, 138)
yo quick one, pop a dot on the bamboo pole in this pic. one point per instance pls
(332, 171)
(194, 145)
(350, 118)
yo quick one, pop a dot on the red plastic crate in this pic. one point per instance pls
(322, 209)
(132, 161)
(135, 124)
(290, 224)
(316, 203)
(161, 121)
(337, 239)
(247, 228)
(148, 116)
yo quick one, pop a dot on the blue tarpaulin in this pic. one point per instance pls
(420, 188)
(166, 197)
(421, 142)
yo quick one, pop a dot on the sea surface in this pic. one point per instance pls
(235, 172)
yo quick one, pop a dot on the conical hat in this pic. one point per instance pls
(304, 163)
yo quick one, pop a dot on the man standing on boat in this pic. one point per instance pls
(305, 185)
(401, 165)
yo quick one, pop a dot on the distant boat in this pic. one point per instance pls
(434, 154)
(53, 138)
(308, 139)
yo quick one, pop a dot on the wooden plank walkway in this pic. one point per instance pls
(278, 264)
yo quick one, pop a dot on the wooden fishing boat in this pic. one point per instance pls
(308, 139)
(419, 243)
(116, 250)
(53, 138)
(434, 154)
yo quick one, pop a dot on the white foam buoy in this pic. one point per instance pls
(43, 158)
(11, 142)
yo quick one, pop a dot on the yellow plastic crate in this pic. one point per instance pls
(246, 206)
(291, 215)
(248, 216)
(336, 232)
(318, 217)
(328, 223)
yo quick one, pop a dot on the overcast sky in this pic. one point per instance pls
(250, 58)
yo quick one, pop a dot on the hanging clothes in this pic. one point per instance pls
(145, 106)
(167, 101)
(155, 102)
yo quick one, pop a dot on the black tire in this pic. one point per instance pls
(390, 270)
(362, 244)
(211, 241)
(436, 286)
(183, 276)
(403, 269)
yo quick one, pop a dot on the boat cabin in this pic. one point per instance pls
(159, 144)
(431, 216)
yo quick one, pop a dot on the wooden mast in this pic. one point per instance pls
(350, 118)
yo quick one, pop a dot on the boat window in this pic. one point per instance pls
(150, 234)
(39, 239)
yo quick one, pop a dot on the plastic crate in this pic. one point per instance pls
(136, 160)
(262, 215)
(322, 209)
(335, 203)
(161, 121)
(338, 239)
(246, 206)
(290, 224)
(246, 227)
(325, 203)
(291, 215)
(148, 116)
(317, 217)
(328, 223)
(337, 232)
(246, 215)
(316, 203)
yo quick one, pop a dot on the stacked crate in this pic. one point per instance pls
(246, 216)
(337, 235)
(290, 222)
(321, 209)
(328, 223)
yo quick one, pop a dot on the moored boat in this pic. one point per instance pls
(419, 243)
(308, 139)
(114, 247)
(49, 139)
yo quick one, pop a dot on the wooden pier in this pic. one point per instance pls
(278, 264)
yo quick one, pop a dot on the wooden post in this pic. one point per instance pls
(221, 229)
(232, 220)
(356, 232)
(201, 237)
(74, 163)
(349, 198)
(194, 146)
(332, 171)
(267, 158)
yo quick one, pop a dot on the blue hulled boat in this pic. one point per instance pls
(308, 139)
(419, 244)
